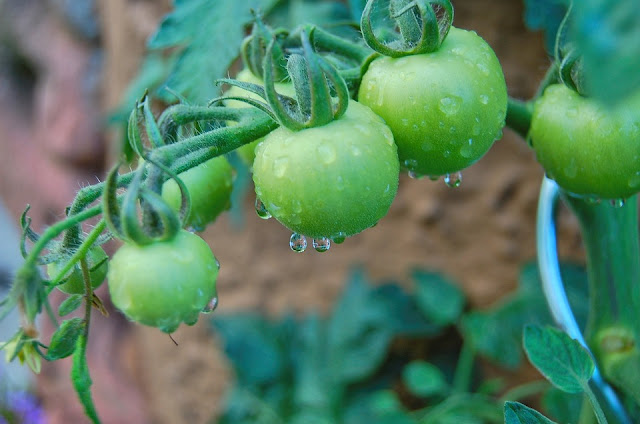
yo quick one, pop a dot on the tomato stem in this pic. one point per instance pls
(519, 116)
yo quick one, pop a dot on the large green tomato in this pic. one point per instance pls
(97, 261)
(445, 108)
(164, 284)
(331, 181)
(247, 151)
(589, 149)
(209, 185)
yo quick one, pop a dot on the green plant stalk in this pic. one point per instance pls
(519, 116)
(611, 241)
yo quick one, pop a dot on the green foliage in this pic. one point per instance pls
(517, 413)
(209, 34)
(424, 379)
(497, 332)
(561, 359)
(81, 379)
(545, 15)
(63, 341)
(607, 34)
(329, 368)
(438, 299)
(70, 304)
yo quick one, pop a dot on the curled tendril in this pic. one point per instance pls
(254, 48)
(423, 25)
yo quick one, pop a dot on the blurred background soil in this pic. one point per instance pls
(63, 67)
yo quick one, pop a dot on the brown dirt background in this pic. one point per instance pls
(480, 233)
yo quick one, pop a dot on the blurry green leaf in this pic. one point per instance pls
(253, 347)
(563, 407)
(82, 380)
(439, 299)
(64, 340)
(561, 359)
(607, 34)
(356, 7)
(497, 333)
(424, 379)
(464, 408)
(623, 370)
(545, 15)
(210, 34)
(403, 316)
(70, 304)
(292, 13)
(358, 334)
(153, 71)
(517, 413)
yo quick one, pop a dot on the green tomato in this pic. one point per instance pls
(209, 186)
(588, 148)
(164, 284)
(331, 181)
(97, 260)
(445, 108)
(247, 151)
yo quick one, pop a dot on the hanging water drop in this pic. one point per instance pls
(211, 306)
(217, 263)
(617, 203)
(414, 175)
(321, 244)
(261, 209)
(592, 200)
(298, 242)
(434, 177)
(339, 238)
(453, 180)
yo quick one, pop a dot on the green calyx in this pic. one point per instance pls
(254, 49)
(423, 26)
(321, 93)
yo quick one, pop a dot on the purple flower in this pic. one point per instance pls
(25, 408)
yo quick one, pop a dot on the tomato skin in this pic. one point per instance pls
(247, 151)
(589, 149)
(163, 284)
(445, 108)
(74, 281)
(209, 185)
(339, 178)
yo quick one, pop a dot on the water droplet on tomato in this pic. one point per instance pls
(434, 177)
(339, 238)
(449, 105)
(467, 150)
(217, 263)
(453, 180)
(340, 183)
(414, 175)
(446, 153)
(321, 244)
(426, 146)
(211, 306)
(261, 209)
(592, 200)
(617, 203)
(634, 181)
(484, 99)
(410, 164)
(405, 122)
(280, 166)
(483, 68)
(355, 151)
(298, 242)
(326, 153)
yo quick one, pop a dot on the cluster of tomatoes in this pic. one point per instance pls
(432, 114)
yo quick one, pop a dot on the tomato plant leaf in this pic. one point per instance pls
(424, 379)
(497, 333)
(70, 304)
(607, 33)
(545, 15)
(358, 333)
(439, 299)
(252, 344)
(82, 380)
(562, 360)
(517, 413)
(64, 340)
(210, 34)
(563, 407)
